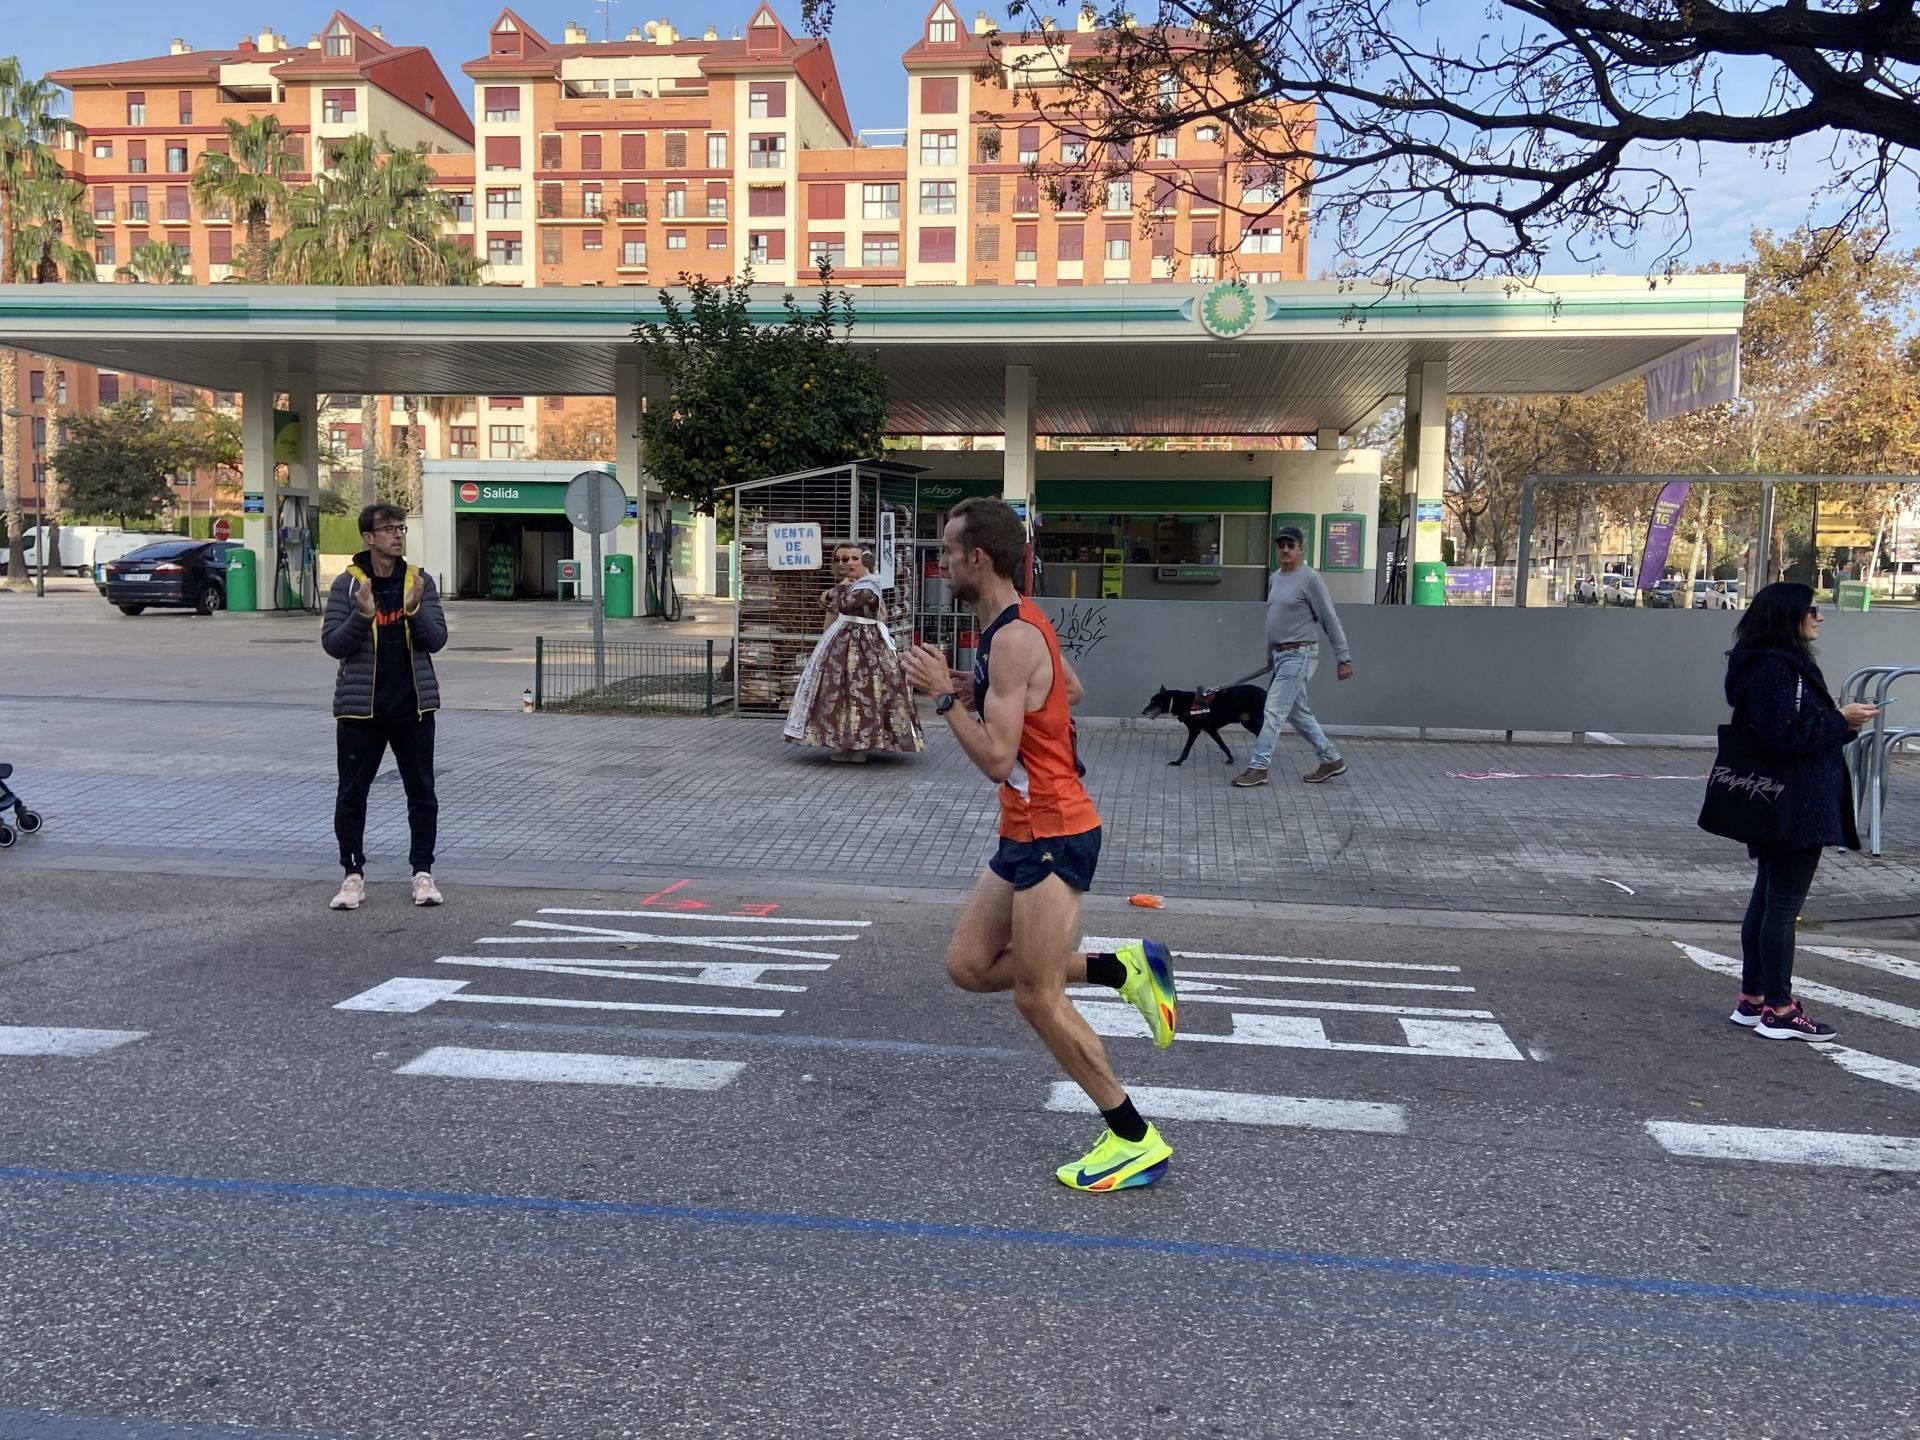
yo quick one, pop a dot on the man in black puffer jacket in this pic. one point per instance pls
(383, 624)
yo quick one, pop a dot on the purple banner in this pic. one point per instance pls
(1705, 375)
(1666, 511)
(1469, 580)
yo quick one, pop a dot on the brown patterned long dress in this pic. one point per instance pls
(853, 695)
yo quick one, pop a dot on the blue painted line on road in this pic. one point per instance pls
(978, 1234)
(736, 1037)
(45, 1425)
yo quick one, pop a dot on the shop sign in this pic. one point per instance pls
(793, 547)
(523, 497)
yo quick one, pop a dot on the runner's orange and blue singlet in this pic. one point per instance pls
(1043, 797)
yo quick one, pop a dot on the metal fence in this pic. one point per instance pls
(683, 678)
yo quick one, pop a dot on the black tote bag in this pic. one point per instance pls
(1751, 792)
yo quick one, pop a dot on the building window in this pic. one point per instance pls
(986, 146)
(986, 195)
(429, 102)
(220, 247)
(676, 206)
(1165, 147)
(830, 248)
(1207, 134)
(136, 202)
(103, 204)
(589, 152)
(136, 107)
(943, 28)
(592, 240)
(716, 152)
(186, 107)
(463, 442)
(939, 197)
(178, 206)
(338, 107)
(591, 199)
(940, 95)
(767, 200)
(503, 152)
(506, 442)
(462, 202)
(1266, 241)
(1169, 89)
(1206, 192)
(1163, 193)
(504, 204)
(986, 242)
(339, 42)
(104, 257)
(1073, 242)
(937, 245)
(109, 388)
(676, 150)
(766, 152)
(1026, 196)
(1119, 243)
(880, 202)
(1073, 149)
(137, 157)
(716, 199)
(1026, 242)
(826, 202)
(103, 149)
(550, 156)
(503, 104)
(503, 250)
(633, 152)
(939, 147)
(1029, 150)
(766, 100)
(716, 239)
(676, 239)
(36, 387)
(1119, 197)
(881, 252)
(550, 253)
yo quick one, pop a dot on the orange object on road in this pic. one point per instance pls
(1147, 902)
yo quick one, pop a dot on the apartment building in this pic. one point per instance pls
(147, 122)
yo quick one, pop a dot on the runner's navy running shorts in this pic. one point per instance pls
(1023, 864)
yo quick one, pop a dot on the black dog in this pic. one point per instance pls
(1234, 705)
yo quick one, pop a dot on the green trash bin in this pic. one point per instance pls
(616, 585)
(1853, 594)
(243, 581)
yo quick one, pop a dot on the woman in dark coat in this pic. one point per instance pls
(1774, 684)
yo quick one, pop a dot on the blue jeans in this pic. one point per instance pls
(1781, 881)
(1287, 704)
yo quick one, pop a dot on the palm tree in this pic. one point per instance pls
(371, 218)
(249, 181)
(155, 263)
(29, 129)
(51, 230)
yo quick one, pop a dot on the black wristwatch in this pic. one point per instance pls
(945, 702)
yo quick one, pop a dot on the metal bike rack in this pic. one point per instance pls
(1867, 753)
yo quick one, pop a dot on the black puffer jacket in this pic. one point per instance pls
(354, 640)
(1783, 696)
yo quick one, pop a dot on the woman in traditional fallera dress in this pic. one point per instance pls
(853, 695)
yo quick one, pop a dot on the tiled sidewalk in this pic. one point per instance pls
(185, 784)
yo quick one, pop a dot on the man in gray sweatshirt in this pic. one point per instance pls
(1297, 606)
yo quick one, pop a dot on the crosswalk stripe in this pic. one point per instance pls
(51, 1040)
(1872, 959)
(566, 1067)
(1786, 1147)
(1813, 990)
(1872, 1067)
(1101, 943)
(1186, 977)
(408, 995)
(1162, 1103)
(701, 918)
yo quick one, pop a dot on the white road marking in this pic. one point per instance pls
(1105, 943)
(1786, 1147)
(593, 935)
(1186, 978)
(458, 1062)
(730, 977)
(1439, 1039)
(1872, 959)
(51, 1040)
(1872, 1067)
(1813, 990)
(1266, 1002)
(406, 996)
(702, 918)
(1161, 1103)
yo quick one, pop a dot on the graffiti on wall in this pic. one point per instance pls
(1081, 628)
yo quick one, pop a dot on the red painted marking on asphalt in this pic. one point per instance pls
(686, 902)
(1602, 775)
(760, 907)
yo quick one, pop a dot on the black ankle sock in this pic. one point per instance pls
(1125, 1122)
(1106, 969)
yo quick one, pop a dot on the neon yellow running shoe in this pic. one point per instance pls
(1150, 987)
(1116, 1164)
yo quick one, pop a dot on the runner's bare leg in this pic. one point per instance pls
(1045, 959)
(980, 956)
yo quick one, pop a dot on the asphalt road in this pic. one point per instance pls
(327, 1182)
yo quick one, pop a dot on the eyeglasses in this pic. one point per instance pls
(1288, 544)
(389, 530)
(1813, 612)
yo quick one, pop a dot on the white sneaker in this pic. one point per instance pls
(425, 892)
(353, 890)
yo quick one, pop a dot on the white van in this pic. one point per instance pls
(76, 545)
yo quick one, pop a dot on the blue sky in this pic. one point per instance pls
(1732, 193)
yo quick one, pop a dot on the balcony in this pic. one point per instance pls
(178, 215)
(222, 216)
(136, 210)
(589, 209)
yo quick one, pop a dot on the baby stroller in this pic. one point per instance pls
(27, 820)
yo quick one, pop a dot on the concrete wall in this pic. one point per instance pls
(1644, 672)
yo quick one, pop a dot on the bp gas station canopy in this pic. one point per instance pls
(1303, 359)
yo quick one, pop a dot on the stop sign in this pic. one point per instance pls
(469, 493)
(222, 530)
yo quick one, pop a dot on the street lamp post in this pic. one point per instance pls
(39, 518)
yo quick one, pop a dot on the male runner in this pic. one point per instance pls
(1021, 928)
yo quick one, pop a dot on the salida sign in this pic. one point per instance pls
(525, 497)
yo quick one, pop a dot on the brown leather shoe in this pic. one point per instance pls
(1326, 772)
(1247, 779)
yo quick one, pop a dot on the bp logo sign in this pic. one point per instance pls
(1227, 309)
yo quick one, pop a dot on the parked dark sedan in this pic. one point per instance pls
(173, 575)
